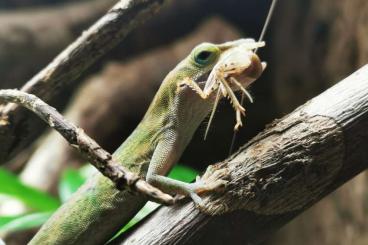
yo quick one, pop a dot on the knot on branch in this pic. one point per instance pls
(283, 171)
(125, 180)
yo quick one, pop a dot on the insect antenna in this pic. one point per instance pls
(261, 36)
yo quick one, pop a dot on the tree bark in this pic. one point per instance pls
(30, 38)
(284, 170)
(315, 43)
(102, 160)
(69, 65)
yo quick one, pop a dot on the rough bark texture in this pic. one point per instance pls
(320, 42)
(71, 63)
(88, 148)
(30, 38)
(287, 168)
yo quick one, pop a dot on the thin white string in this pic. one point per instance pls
(261, 36)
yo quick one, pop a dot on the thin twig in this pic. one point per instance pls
(89, 148)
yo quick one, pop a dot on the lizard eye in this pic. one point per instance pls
(203, 57)
(205, 54)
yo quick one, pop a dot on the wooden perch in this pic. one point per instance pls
(71, 63)
(294, 163)
(89, 148)
(30, 38)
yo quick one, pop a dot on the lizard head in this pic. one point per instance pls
(211, 66)
(187, 91)
(224, 68)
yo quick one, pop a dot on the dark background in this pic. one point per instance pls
(310, 45)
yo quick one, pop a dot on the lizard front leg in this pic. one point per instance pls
(190, 83)
(164, 157)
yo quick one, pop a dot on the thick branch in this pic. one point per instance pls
(95, 42)
(287, 168)
(89, 148)
(75, 59)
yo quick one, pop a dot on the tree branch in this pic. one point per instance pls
(100, 158)
(294, 163)
(31, 37)
(113, 83)
(72, 62)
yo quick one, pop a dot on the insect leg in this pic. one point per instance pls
(212, 112)
(237, 106)
(233, 80)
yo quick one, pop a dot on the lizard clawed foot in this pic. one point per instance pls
(211, 181)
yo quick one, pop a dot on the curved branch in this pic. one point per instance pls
(294, 163)
(89, 148)
(73, 61)
(30, 38)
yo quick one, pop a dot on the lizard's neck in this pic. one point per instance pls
(136, 151)
(169, 110)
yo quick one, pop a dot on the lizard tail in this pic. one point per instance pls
(92, 216)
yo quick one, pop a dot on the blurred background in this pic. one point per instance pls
(310, 45)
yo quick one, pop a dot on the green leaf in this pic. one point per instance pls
(71, 180)
(183, 173)
(146, 210)
(38, 200)
(87, 170)
(6, 219)
(24, 222)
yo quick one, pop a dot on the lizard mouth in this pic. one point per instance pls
(228, 79)
(246, 77)
(203, 79)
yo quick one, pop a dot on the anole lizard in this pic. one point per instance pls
(97, 210)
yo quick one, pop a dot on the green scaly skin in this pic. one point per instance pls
(98, 210)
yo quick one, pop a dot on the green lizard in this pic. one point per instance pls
(97, 210)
